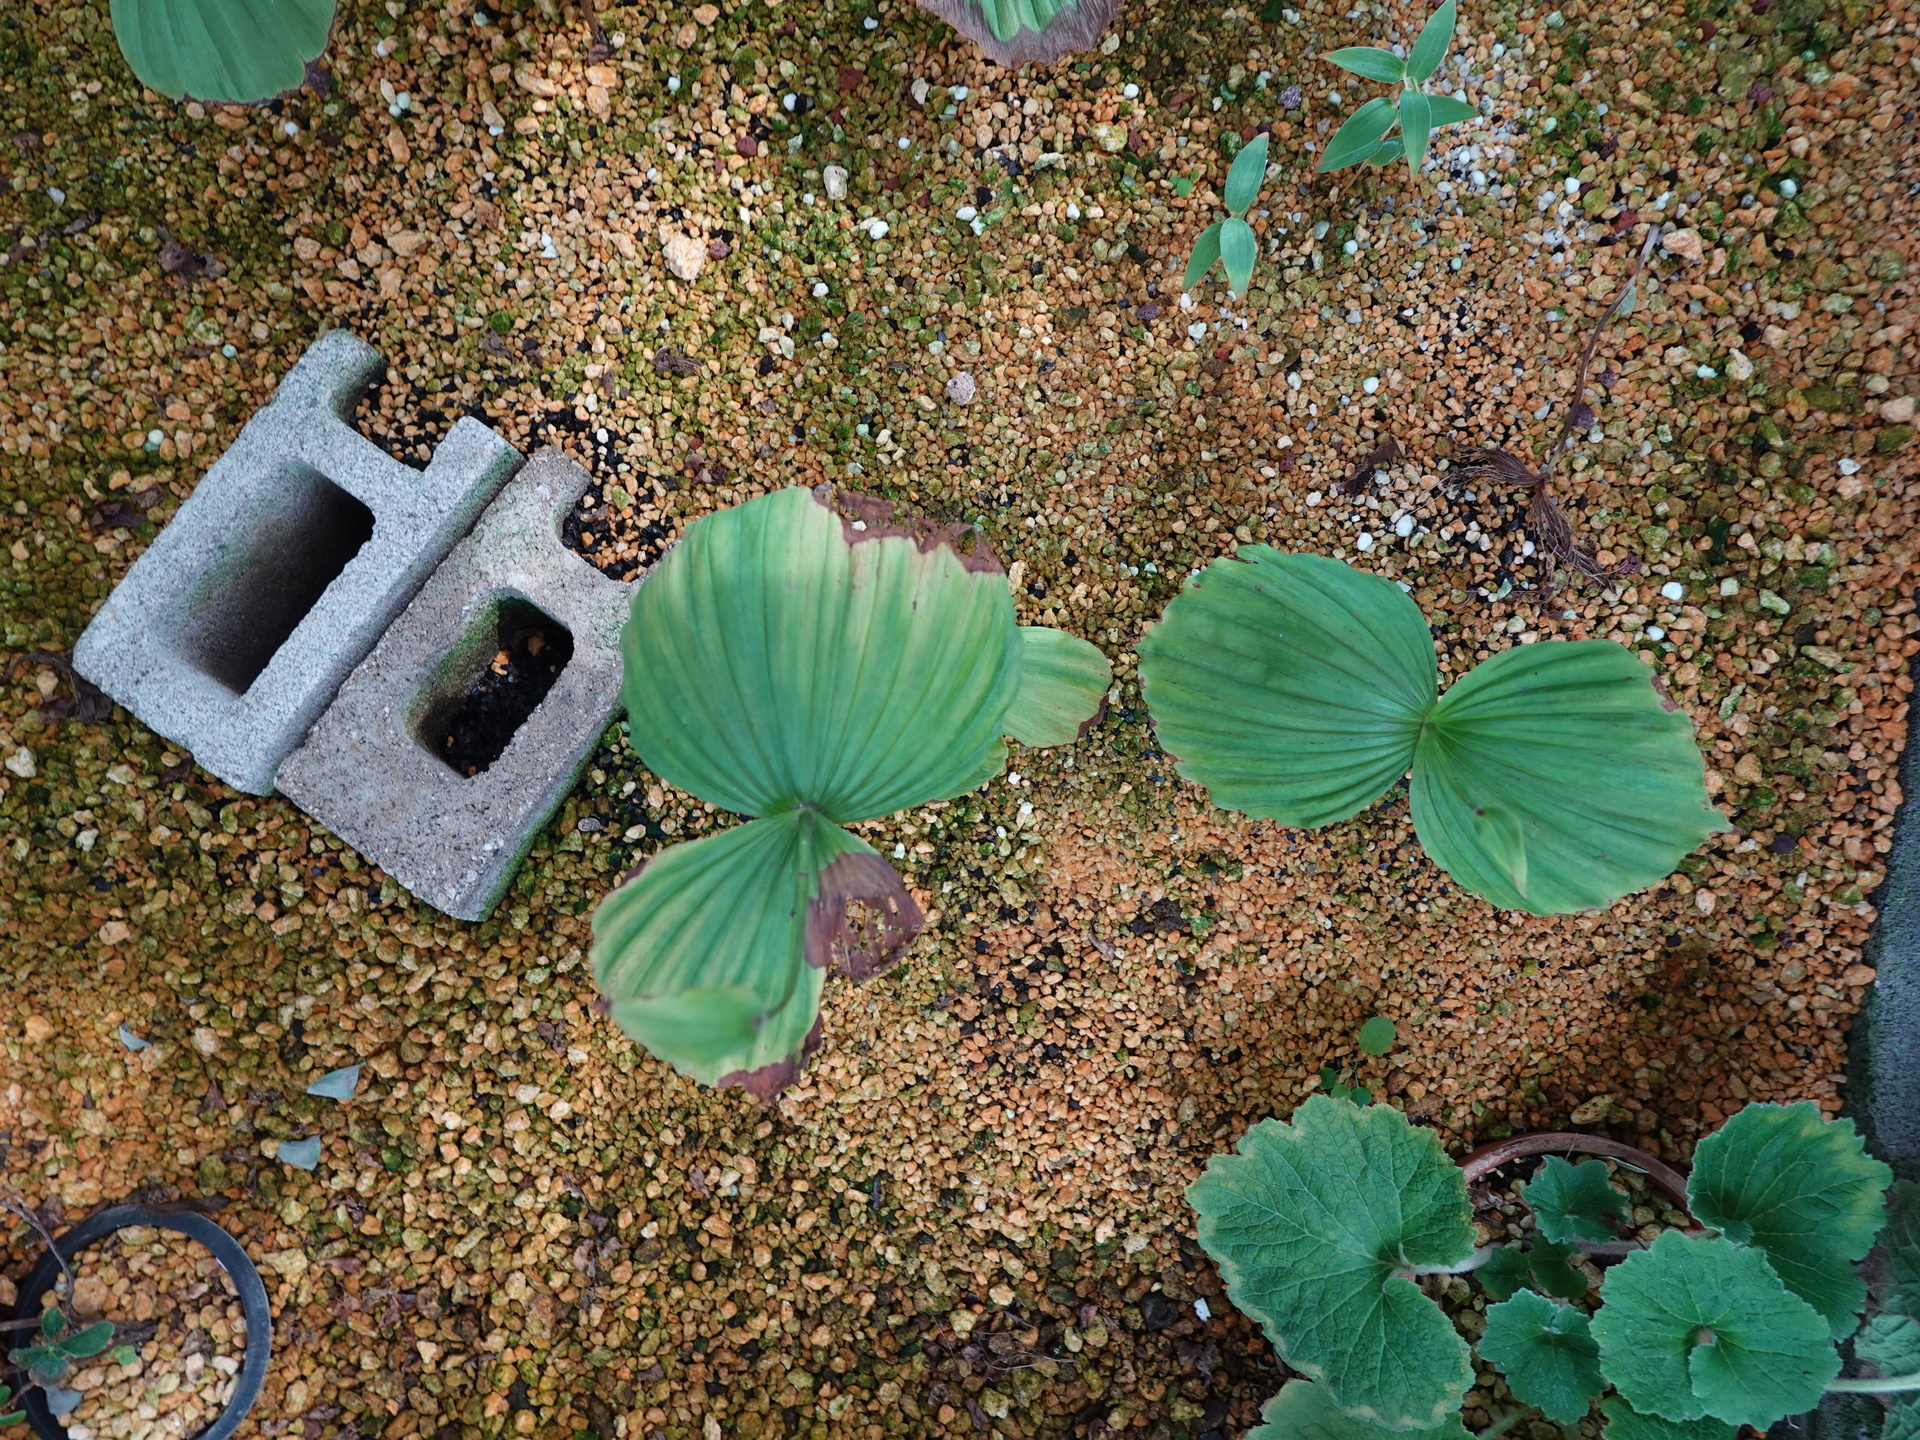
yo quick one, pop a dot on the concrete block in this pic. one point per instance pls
(456, 739)
(298, 548)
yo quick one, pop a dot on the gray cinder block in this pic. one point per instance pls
(298, 548)
(466, 660)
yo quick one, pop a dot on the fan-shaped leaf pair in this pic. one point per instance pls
(806, 659)
(1552, 778)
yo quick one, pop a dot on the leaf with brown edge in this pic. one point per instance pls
(863, 919)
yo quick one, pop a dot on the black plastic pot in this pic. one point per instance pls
(225, 1249)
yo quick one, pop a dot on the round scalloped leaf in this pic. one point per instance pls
(1626, 1423)
(805, 649)
(1571, 1203)
(712, 956)
(1291, 686)
(1547, 1354)
(1694, 1327)
(1555, 777)
(1317, 1226)
(1303, 1411)
(1903, 1419)
(1504, 1272)
(228, 50)
(1890, 1343)
(1063, 684)
(1012, 32)
(1803, 1190)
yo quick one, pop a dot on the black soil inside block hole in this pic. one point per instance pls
(473, 727)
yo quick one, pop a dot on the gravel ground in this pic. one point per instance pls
(968, 1215)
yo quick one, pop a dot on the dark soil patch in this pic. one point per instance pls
(530, 651)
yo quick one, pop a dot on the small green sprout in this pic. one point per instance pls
(1376, 1037)
(49, 1363)
(1232, 242)
(1365, 135)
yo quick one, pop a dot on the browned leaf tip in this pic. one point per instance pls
(868, 517)
(1385, 453)
(672, 360)
(769, 1080)
(1667, 702)
(863, 918)
(1078, 26)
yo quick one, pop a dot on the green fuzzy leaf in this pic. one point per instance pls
(1901, 1240)
(1448, 111)
(122, 1355)
(1431, 48)
(52, 1321)
(712, 957)
(790, 653)
(1317, 1226)
(1416, 123)
(1391, 149)
(1360, 1095)
(1291, 686)
(1575, 1202)
(1377, 1035)
(1372, 64)
(1249, 168)
(228, 50)
(1903, 1419)
(1890, 1343)
(1554, 1272)
(85, 1344)
(1700, 1327)
(1206, 250)
(1238, 251)
(1303, 1411)
(1547, 1354)
(1506, 1271)
(1626, 1423)
(1357, 138)
(1804, 1191)
(1063, 684)
(1569, 743)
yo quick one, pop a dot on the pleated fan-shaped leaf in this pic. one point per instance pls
(1063, 685)
(1014, 32)
(228, 50)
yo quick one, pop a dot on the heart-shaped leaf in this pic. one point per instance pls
(1694, 1327)
(1364, 60)
(1561, 757)
(1553, 1270)
(1357, 138)
(1416, 122)
(1014, 32)
(1318, 1226)
(1249, 168)
(229, 50)
(1206, 250)
(1446, 110)
(1291, 686)
(1626, 1423)
(1063, 684)
(1575, 1202)
(1431, 47)
(1239, 249)
(1547, 1354)
(1303, 1411)
(1804, 1191)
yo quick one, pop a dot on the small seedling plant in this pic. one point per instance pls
(1322, 1226)
(49, 1361)
(1368, 134)
(1375, 1038)
(1231, 243)
(1551, 778)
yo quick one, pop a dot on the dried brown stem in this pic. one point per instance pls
(1565, 436)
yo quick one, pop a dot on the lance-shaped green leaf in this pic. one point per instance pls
(1804, 1191)
(1547, 1354)
(1014, 32)
(1357, 138)
(1556, 777)
(1446, 110)
(1626, 1423)
(1695, 1327)
(712, 956)
(1416, 123)
(1291, 686)
(808, 649)
(1063, 685)
(1303, 1411)
(1372, 64)
(229, 50)
(1238, 251)
(89, 1341)
(1318, 1226)
(1206, 250)
(1431, 47)
(1571, 1203)
(1391, 149)
(1249, 168)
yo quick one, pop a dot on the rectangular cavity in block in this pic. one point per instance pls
(266, 578)
(491, 682)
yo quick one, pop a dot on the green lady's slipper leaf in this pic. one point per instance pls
(1697, 1327)
(1206, 250)
(1431, 48)
(1013, 32)
(1448, 111)
(1357, 138)
(1238, 251)
(1575, 1202)
(1371, 64)
(1303, 1411)
(1626, 1423)
(1803, 1190)
(1547, 1354)
(227, 50)
(1249, 168)
(1318, 1227)
(1063, 686)
(1416, 123)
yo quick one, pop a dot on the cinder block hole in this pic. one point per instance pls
(495, 678)
(266, 580)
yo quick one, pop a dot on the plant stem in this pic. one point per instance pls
(1559, 445)
(1500, 1427)
(1883, 1385)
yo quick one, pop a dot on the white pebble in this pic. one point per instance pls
(819, 289)
(1654, 632)
(1573, 184)
(966, 212)
(960, 389)
(1370, 384)
(1789, 189)
(1729, 586)
(1197, 330)
(1403, 527)
(1352, 247)
(1365, 542)
(1673, 590)
(1130, 91)
(958, 92)
(1200, 1308)
(834, 177)
(1849, 467)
